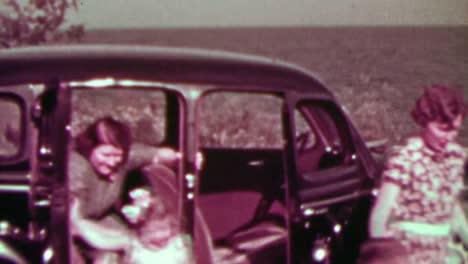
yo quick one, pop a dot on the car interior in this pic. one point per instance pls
(241, 188)
(240, 206)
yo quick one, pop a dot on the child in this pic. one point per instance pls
(157, 238)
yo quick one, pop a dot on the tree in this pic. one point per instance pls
(34, 22)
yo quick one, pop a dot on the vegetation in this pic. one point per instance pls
(142, 110)
(34, 22)
(238, 120)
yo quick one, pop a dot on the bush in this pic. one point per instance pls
(37, 22)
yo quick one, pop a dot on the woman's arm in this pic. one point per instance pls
(96, 235)
(167, 156)
(386, 199)
(101, 237)
(459, 224)
(141, 155)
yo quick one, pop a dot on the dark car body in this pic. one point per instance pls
(306, 199)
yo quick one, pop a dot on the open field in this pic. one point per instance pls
(376, 72)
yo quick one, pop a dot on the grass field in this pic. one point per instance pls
(376, 72)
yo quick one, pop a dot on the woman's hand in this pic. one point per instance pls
(132, 213)
(169, 157)
(75, 215)
(459, 223)
(75, 209)
(380, 214)
(199, 161)
(135, 212)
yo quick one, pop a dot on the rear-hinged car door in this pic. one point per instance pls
(327, 167)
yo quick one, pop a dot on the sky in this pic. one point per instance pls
(233, 13)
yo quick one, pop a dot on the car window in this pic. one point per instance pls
(10, 126)
(305, 135)
(241, 120)
(332, 146)
(142, 110)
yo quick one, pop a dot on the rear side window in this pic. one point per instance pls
(10, 126)
(305, 135)
(324, 142)
(241, 120)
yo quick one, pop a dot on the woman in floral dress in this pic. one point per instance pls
(418, 202)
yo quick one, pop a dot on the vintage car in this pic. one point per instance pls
(286, 177)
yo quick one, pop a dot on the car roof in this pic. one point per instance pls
(152, 62)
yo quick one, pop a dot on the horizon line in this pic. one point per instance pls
(282, 26)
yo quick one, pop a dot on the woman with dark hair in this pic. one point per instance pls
(418, 205)
(103, 155)
(106, 144)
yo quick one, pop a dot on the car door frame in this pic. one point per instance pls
(300, 212)
(51, 113)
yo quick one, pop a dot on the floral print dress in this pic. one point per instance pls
(429, 184)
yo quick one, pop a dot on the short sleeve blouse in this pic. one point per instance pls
(429, 181)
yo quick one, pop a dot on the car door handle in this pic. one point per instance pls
(256, 163)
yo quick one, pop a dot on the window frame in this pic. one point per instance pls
(321, 115)
(23, 96)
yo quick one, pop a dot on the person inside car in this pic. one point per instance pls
(102, 156)
(418, 204)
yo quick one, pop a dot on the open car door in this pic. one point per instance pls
(328, 183)
(51, 113)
